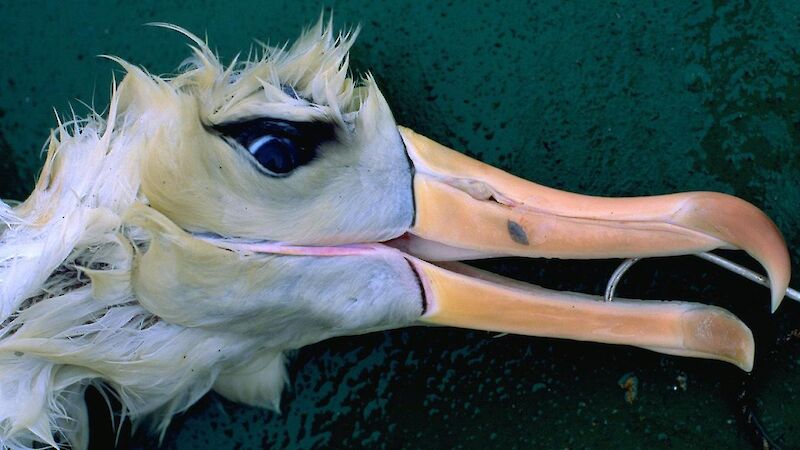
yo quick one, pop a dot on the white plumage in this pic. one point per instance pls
(70, 314)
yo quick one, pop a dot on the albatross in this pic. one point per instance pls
(211, 221)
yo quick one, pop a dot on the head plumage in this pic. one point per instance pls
(68, 250)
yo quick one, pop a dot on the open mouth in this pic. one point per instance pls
(465, 209)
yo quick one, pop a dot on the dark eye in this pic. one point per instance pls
(276, 154)
(278, 146)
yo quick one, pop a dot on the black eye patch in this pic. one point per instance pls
(278, 146)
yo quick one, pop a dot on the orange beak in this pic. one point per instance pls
(466, 209)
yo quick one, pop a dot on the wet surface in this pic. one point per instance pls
(623, 98)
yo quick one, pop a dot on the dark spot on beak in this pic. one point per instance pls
(517, 234)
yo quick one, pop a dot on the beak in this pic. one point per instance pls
(466, 209)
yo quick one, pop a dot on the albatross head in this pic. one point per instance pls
(215, 219)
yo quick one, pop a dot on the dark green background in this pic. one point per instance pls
(612, 98)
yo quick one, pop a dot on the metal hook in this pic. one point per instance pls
(745, 272)
(616, 276)
(710, 257)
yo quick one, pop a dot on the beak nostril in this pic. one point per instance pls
(475, 188)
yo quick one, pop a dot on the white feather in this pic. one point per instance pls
(69, 315)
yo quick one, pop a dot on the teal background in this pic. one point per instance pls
(611, 98)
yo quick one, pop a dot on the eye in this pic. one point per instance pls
(278, 146)
(276, 154)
